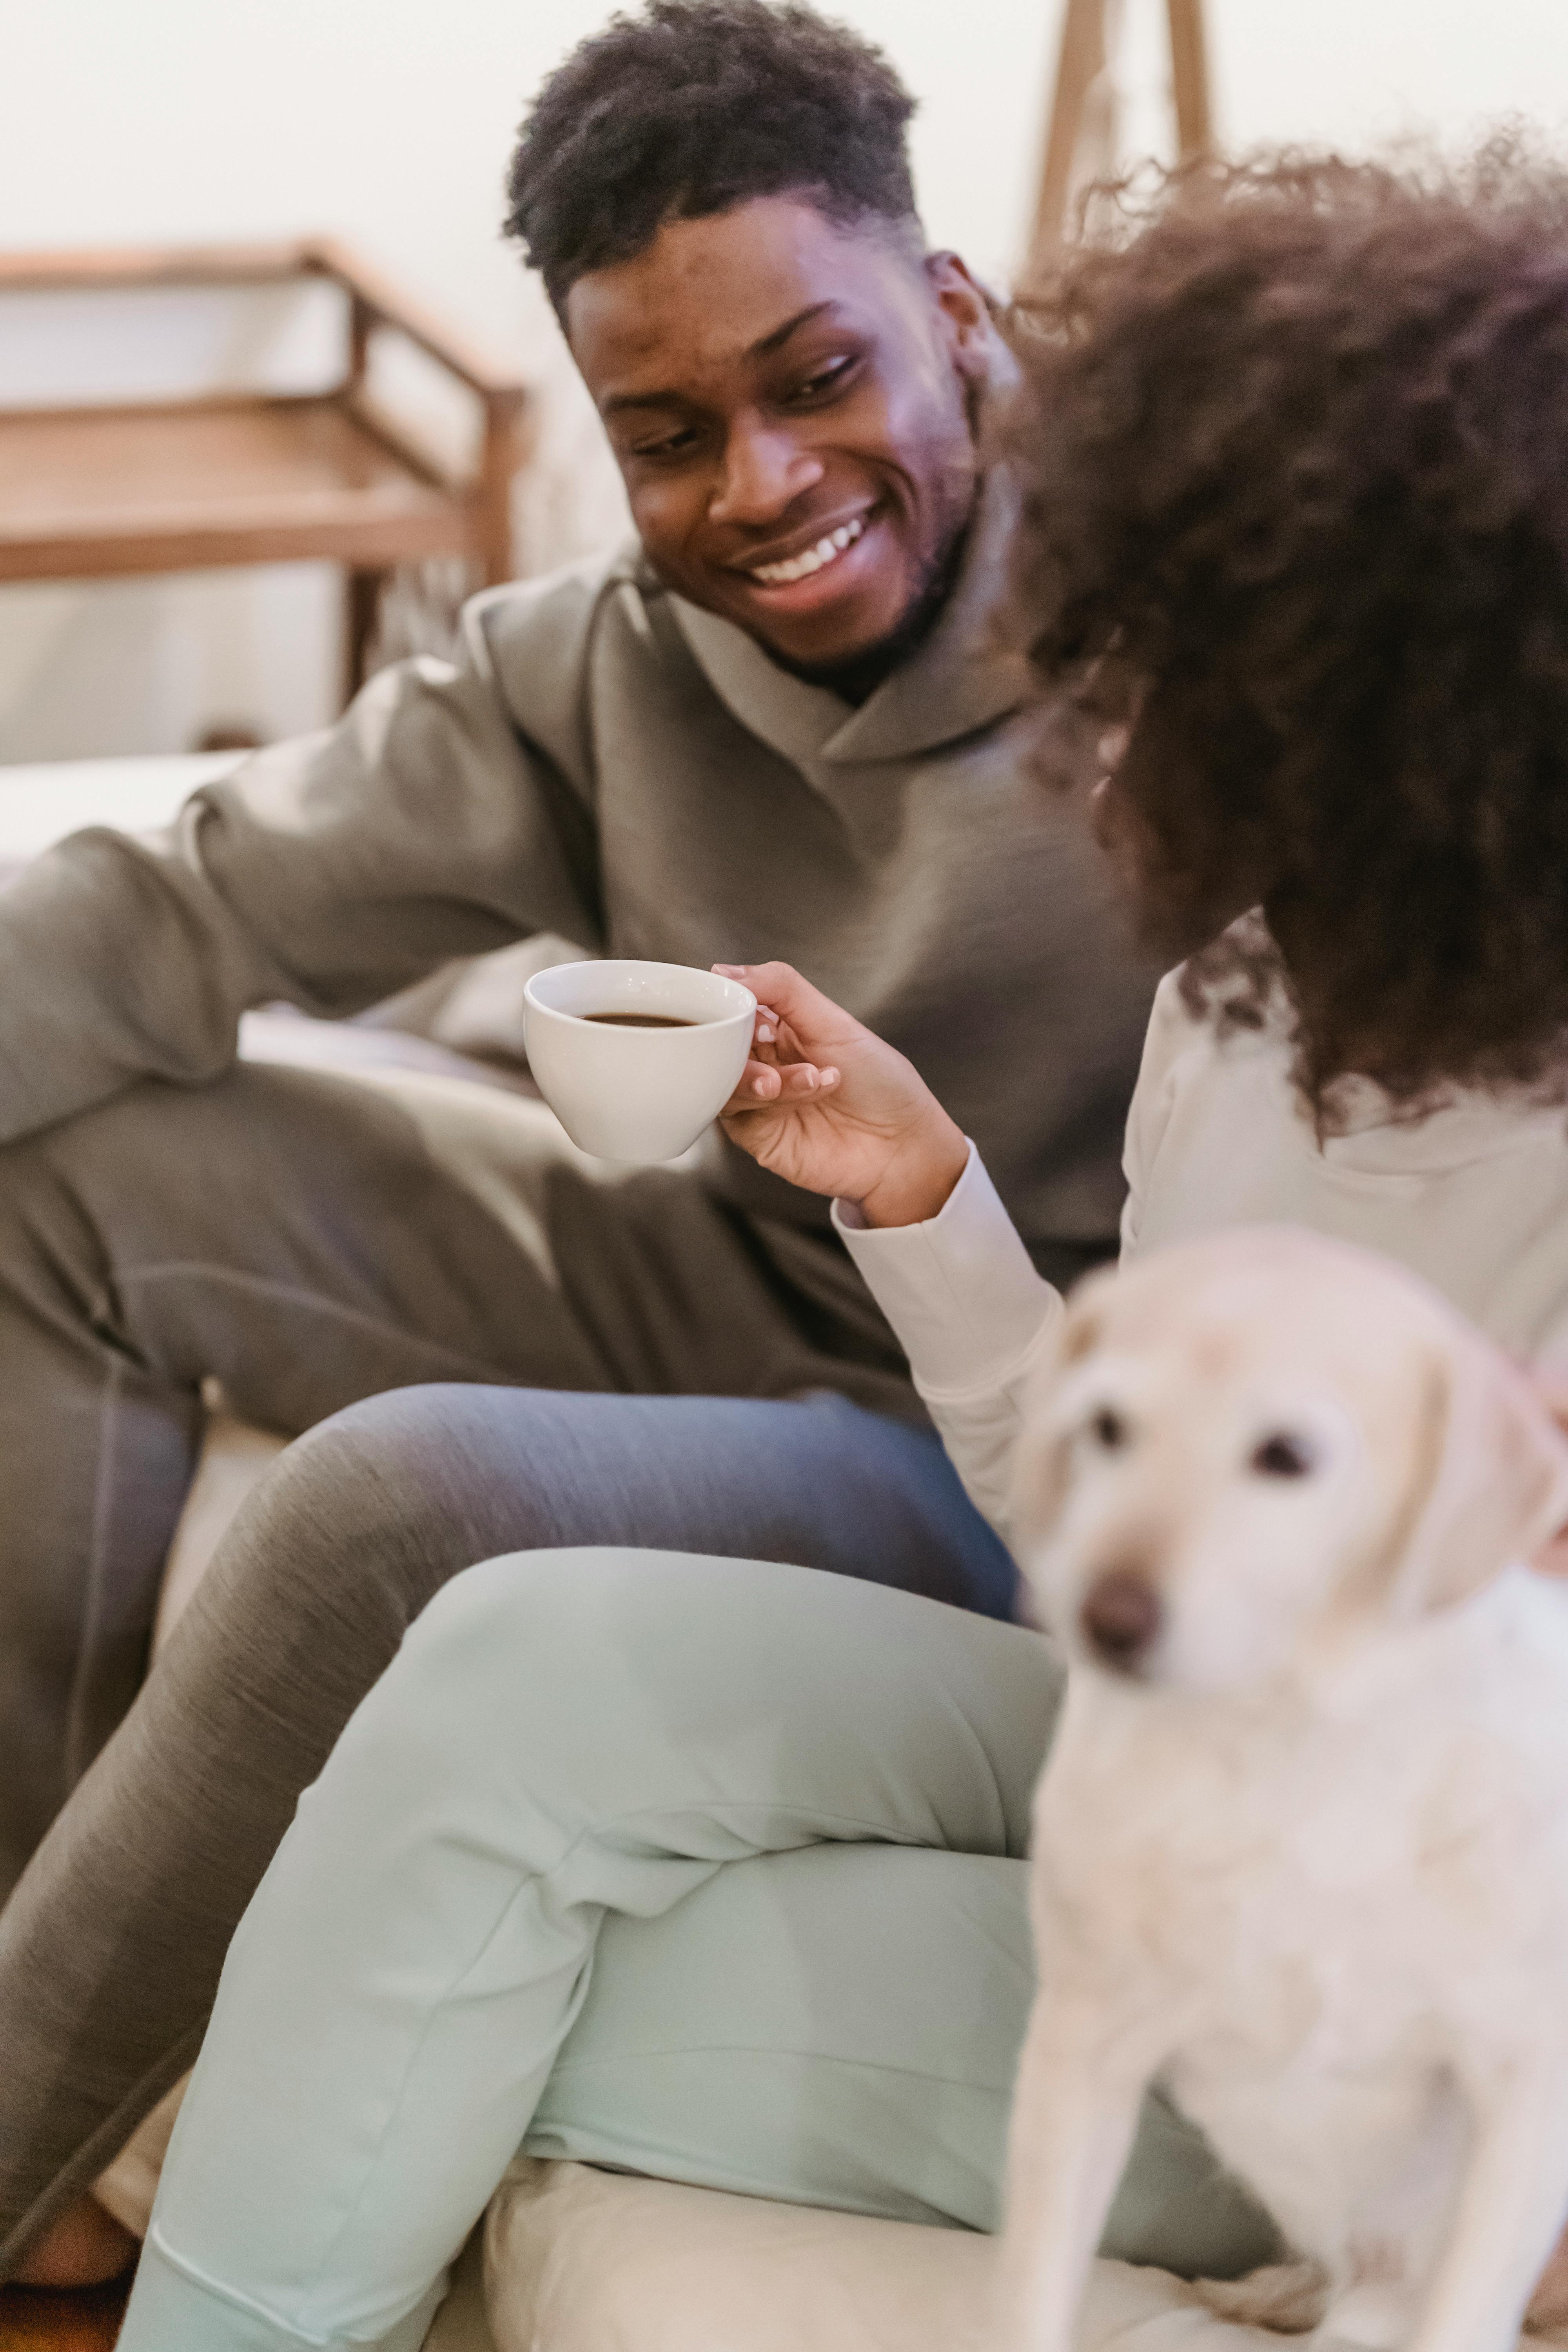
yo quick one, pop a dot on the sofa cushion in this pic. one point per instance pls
(582, 2261)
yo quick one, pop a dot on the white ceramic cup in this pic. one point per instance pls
(627, 1093)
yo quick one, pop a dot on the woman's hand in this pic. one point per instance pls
(826, 1103)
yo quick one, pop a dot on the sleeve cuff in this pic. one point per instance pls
(960, 1291)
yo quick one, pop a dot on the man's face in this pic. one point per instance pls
(789, 401)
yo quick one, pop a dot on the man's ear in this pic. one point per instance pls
(977, 349)
(1494, 1464)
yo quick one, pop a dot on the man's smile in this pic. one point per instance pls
(780, 571)
(815, 575)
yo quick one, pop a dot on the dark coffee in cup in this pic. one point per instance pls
(641, 1020)
(621, 1092)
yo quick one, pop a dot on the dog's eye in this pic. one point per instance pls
(1108, 1429)
(1283, 1455)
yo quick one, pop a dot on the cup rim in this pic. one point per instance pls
(610, 967)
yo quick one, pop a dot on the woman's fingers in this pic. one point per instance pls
(780, 1068)
(765, 1083)
(778, 1082)
(798, 1080)
(791, 998)
(759, 1083)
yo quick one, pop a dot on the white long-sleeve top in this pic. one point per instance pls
(1473, 1197)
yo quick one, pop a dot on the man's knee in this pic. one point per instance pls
(403, 1489)
(338, 1543)
(361, 1475)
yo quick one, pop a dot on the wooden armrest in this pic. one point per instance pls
(91, 267)
(390, 306)
(263, 264)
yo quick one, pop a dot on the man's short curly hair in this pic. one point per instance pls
(693, 106)
(1293, 442)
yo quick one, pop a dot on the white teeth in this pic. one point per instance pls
(801, 567)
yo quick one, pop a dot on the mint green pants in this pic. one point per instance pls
(630, 1858)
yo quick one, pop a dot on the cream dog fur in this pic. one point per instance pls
(1301, 1846)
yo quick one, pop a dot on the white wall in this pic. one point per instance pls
(390, 120)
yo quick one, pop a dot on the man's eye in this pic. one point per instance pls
(828, 378)
(1284, 1454)
(670, 445)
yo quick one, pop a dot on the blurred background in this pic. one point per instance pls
(388, 122)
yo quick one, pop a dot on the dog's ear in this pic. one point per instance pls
(1081, 1328)
(1038, 1477)
(1490, 1480)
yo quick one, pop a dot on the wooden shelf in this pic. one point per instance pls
(171, 489)
(174, 486)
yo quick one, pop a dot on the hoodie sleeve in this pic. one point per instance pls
(433, 820)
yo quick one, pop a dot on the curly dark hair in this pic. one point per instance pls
(696, 105)
(1293, 446)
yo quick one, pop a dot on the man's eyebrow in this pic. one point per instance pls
(774, 342)
(765, 346)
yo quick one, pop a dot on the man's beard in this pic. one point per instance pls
(856, 679)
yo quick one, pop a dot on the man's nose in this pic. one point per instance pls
(765, 471)
(1121, 1617)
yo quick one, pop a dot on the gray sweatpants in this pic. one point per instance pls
(309, 1241)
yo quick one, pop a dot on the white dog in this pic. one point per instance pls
(1302, 1846)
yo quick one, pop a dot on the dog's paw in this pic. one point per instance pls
(1290, 2297)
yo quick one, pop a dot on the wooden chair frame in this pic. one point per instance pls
(1083, 60)
(469, 518)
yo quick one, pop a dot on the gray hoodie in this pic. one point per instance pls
(607, 762)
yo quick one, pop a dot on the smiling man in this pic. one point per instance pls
(718, 202)
(809, 473)
(774, 726)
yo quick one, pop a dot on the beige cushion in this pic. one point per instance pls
(580, 2260)
(233, 1457)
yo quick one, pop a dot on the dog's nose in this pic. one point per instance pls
(1121, 1616)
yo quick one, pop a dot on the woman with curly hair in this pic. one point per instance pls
(1295, 536)
(1293, 481)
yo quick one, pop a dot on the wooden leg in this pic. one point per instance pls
(361, 596)
(1190, 79)
(1081, 62)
